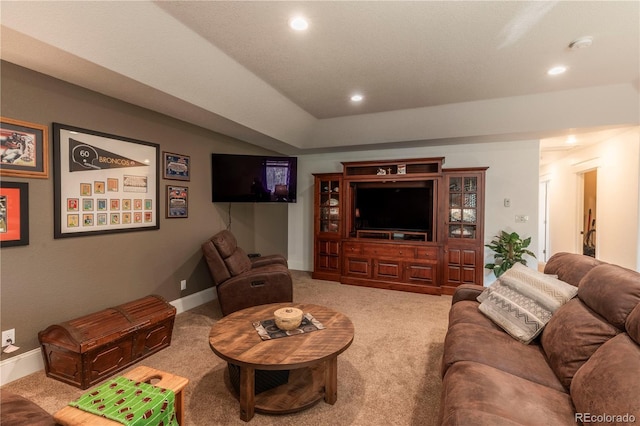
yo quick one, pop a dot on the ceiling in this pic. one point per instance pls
(423, 67)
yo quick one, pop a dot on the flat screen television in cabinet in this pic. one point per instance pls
(406, 209)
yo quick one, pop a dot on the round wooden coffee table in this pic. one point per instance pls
(311, 357)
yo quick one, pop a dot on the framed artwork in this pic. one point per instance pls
(97, 172)
(24, 149)
(14, 214)
(177, 201)
(177, 166)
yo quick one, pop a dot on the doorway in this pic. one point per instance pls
(589, 210)
(543, 225)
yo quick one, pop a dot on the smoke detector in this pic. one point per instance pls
(581, 43)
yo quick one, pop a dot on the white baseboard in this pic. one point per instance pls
(20, 365)
(30, 362)
(194, 300)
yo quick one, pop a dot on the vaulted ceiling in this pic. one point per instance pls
(430, 71)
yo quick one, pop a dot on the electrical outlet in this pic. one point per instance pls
(521, 218)
(8, 335)
(183, 285)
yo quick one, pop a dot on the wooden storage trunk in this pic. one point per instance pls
(86, 350)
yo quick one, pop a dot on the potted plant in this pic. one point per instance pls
(508, 249)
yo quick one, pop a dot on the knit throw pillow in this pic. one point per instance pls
(523, 300)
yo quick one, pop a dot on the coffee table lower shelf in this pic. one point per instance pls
(305, 388)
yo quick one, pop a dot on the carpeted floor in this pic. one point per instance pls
(389, 375)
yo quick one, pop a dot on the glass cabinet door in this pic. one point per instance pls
(463, 205)
(330, 214)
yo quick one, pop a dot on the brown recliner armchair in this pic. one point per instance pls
(242, 282)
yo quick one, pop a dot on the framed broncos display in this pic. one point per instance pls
(103, 183)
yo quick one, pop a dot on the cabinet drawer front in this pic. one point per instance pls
(429, 253)
(421, 273)
(387, 270)
(351, 248)
(392, 251)
(357, 267)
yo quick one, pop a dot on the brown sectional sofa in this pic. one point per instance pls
(16, 410)
(583, 368)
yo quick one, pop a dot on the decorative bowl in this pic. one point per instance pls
(288, 318)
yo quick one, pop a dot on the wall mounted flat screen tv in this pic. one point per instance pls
(253, 178)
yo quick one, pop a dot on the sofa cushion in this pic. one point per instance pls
(238, 262)
(573, 334)
(466, 312)
(612, 292)
(633, 324)
(608, 382)
(570, 267)
(522, 301)
(466, 342)
(477, 394)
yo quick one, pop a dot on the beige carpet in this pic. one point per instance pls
(389, 375)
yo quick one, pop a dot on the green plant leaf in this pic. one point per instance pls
(508, 249)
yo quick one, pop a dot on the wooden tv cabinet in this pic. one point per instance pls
(445, 252)
(391, 265)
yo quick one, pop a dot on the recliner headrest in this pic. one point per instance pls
(225, 242)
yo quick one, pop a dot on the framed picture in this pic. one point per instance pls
(14, 214)
(176, 166)
(92, 167)
(24, 149)
(177, 201)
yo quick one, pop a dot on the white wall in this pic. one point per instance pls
(513, 173)
(617, 161)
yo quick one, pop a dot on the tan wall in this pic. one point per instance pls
(53, 280)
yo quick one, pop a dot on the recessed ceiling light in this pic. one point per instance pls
(571, 140)
(357, 98)
(298, 23)
(560, 69)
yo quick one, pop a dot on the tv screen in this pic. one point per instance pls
(402, 207)
(253, 178)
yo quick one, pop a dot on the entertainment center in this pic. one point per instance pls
(405, 225)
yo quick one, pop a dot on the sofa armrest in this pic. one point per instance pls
(467, 292)
(260, 261)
